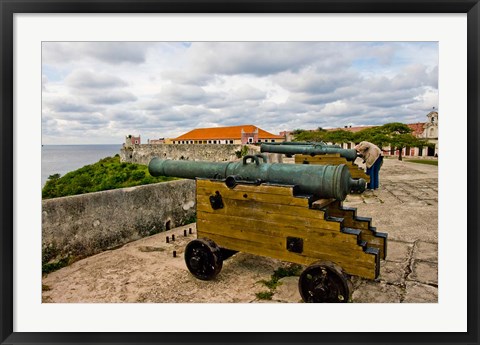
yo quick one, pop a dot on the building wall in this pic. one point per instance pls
(82, 225)
(132, 140)
(207, 141)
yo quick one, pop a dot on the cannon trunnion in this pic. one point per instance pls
(282, 221)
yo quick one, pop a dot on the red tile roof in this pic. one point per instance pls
(232, 132)
(417, 128)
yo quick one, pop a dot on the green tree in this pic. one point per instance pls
(396, 135)
(339, 136)
(315, 136)
(54, 177)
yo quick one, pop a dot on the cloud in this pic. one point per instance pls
(82, 79)
(112, 97)
(61, 105)
(163, 89)
(107, 52)
(178, 94)
(312, 81)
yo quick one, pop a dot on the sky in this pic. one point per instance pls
(100, 92)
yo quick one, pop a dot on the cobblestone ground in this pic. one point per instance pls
(405, 206)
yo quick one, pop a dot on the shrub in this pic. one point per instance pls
(108, 173)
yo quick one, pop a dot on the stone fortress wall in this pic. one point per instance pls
(142, 154)
(83, 225)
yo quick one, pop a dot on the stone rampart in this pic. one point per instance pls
(142, 154)
(82, 225)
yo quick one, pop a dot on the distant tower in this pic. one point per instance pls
(131, 140)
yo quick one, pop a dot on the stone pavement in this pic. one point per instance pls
(405, 206)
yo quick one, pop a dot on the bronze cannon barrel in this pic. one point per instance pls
(323, 181)
(312, 150)
(308, 143)
(319, 143)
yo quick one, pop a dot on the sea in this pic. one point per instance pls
(61, 159)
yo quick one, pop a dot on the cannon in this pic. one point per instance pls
(321, 155)
(327, 181)
(289, 212)
(312, 150)
(311, 143)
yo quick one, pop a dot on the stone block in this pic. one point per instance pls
(287, 291)
(420, 293)
(372, 200)
(398, 251)
(426, 251)
(424, 272)
(392, 272)
(377, 292)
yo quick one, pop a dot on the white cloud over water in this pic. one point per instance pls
(98, 92)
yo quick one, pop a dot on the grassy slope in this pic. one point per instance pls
(108, 173)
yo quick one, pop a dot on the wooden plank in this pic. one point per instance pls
(286, 190)
(239, 194)
(318, 237)
(275, 235)
(286, 221)
(321, 203)
(366, 268)
(255, 209)
(375, 242)
(350, 220)
(355, 170)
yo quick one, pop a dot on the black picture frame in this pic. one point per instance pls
(10, 7)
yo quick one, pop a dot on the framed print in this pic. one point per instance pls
(84, 73)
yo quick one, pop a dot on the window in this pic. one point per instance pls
(231, 141)
(250, 140)
(273, 140)
(214, 141)
(209, 141)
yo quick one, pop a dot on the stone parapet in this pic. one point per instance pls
(78, 226)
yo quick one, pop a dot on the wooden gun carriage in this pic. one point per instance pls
(238, 209)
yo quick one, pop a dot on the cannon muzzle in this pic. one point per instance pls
(312, 150)
(322, 181)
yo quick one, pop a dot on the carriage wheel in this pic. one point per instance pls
(203, 258)
(324, 282)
